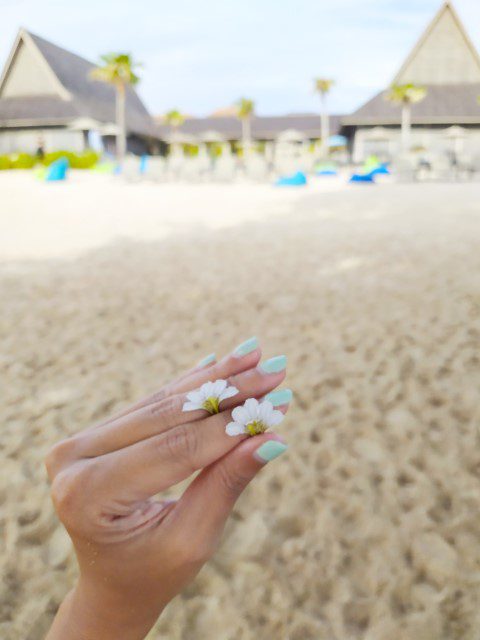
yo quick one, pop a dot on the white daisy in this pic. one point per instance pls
(209, 396)
(253, 418)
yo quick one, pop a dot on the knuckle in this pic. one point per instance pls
(181, 444)
(61, 453)
(167, 409)
(232, 482)
(71, 491)
(65, 493)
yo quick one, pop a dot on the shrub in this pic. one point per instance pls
(22, 161)
(85, 160)
(4, 163)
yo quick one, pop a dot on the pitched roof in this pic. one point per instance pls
(444, 53)
(79, 96)
(443, 104)
(263, 127)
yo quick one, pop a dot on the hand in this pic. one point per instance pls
(136, 553)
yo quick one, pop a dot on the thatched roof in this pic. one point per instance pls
(263, 127)
(443, 104)
(78, 95)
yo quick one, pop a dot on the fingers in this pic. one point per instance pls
(152, 465)
(210, 498)
(158, 417)
(243, 357)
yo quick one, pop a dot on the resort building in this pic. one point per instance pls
(445, 62)
(296, 127)
(47, 98)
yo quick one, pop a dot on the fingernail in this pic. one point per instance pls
(274, 365)
(207, 360)
(246, 347)
(279, 397)
(270, 450)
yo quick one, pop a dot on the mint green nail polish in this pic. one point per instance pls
(274, 365)
(207, 360)
(279, 397)
(270, 450)
(246, 347)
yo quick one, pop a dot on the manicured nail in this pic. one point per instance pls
(280, 397)
(207, 360)
(246, 347)
(270, 450)
(274, 365)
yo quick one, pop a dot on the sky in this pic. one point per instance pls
(201, 56)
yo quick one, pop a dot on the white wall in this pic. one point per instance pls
(386, 143)
(27, 140)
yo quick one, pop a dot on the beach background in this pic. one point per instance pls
(368, 528)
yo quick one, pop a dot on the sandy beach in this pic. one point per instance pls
(368, 528)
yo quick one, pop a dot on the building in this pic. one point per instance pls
(446, 63)
(263, 128)
(46, 95)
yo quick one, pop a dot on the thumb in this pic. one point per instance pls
(210, 498)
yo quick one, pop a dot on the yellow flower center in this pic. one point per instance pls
(211, 405)
(256, 427)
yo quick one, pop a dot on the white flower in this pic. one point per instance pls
(253, 418)
(209, 396)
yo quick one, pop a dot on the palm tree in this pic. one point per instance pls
(174, 119)
(117, 69)
(406, 95)
(245, 109)
(323, 86)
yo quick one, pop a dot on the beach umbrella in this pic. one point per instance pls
(291, 135)
(177, 137)
(211, 136)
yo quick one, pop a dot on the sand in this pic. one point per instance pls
(368, 528)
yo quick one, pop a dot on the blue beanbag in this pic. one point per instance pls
(381, 169)
(57, 170)
(362, 177)
(298, 179)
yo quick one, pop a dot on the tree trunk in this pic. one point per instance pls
(121, 124)
(325, 126)
(406, 118)
(246, 136)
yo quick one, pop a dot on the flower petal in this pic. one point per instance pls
(228, 393)
(275, 418)
(234, 429)
(265, 411)
(191, 406)
(195, 396)
(251, 406)
(240, 415)
(219, 386)
(207, 390)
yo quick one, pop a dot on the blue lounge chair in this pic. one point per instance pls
(298, 179)
(363, 177)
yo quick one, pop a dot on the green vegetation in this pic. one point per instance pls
(405, 95)
(322, 86)
(117, 69)
(245, 111)
(85, 160)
